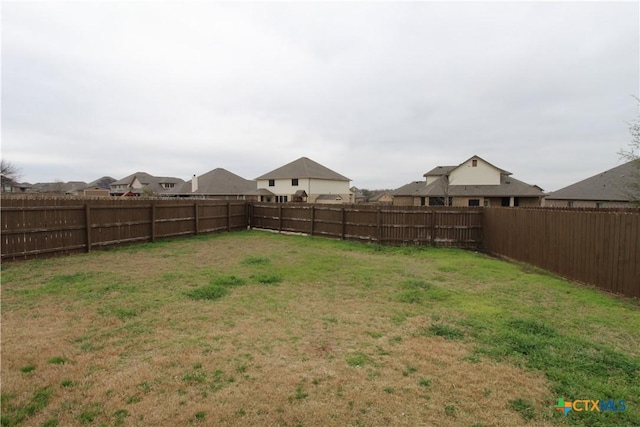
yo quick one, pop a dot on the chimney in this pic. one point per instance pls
(194, 184)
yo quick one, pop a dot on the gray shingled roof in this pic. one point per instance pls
(218, 181)
(259, 192)
(509, 186)
(440, 170)
(146, 179)
(303, 168)
(445, 170)
(610, 185)
(143, 177)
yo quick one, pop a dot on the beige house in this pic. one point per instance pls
(143, 184)
(304, 180)
(474, 182)
(382, 198)
(614, 188)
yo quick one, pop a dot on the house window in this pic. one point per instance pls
(474, 202)
(294, 182)
(168, 185)
(282, 199)
(423, 201)
(599, 205)
(474, 163)
(436, 201)
(272, 182)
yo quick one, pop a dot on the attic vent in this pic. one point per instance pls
(507, 182)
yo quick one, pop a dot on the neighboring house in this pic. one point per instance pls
(10, 186)
(143, 184)
(104, 182)
(304, 180)
(71, 188)
(101, 187)
(358, 195)
(474, 182)
(610, 189)
(382, 198)
(218, 184)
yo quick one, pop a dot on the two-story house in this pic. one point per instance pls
(143, 184)
(474, 182)
(304, 180)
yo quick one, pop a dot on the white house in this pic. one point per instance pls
(304, 180)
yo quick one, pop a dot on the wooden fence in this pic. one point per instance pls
(40, 227)
(459, 227)
(597, 247)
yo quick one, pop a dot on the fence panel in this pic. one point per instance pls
(597, 247)
(460, 227)
(45, 226)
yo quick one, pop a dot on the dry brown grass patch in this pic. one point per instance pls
(262, 355)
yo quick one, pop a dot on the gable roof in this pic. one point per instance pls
(218, 181)
(103, 182)
(304, 168)
(440, 170)
(143, 177)
(446, 170)
(509, 186)
(610, 185)
(149, 183)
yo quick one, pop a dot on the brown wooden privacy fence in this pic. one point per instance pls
(33, 227)
(598, 247)
(460, 227)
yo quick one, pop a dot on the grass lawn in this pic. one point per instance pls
(255, 328)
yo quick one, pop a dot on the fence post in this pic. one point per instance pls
(196, 217)
(87, 221)
(344, 223)
(153, 221)
(313, 217)
(228, 216)
(280, 218)
(379, 224)
(249, 215)
(432, 236)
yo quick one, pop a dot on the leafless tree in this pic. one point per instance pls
(632, 154)
(9, 171)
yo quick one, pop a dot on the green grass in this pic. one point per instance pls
(14, 414)
(349, 329)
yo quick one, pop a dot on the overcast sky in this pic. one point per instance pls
(380, 92)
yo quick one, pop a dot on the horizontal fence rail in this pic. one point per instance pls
(446, 226)
(598, 246)
(41, 227)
